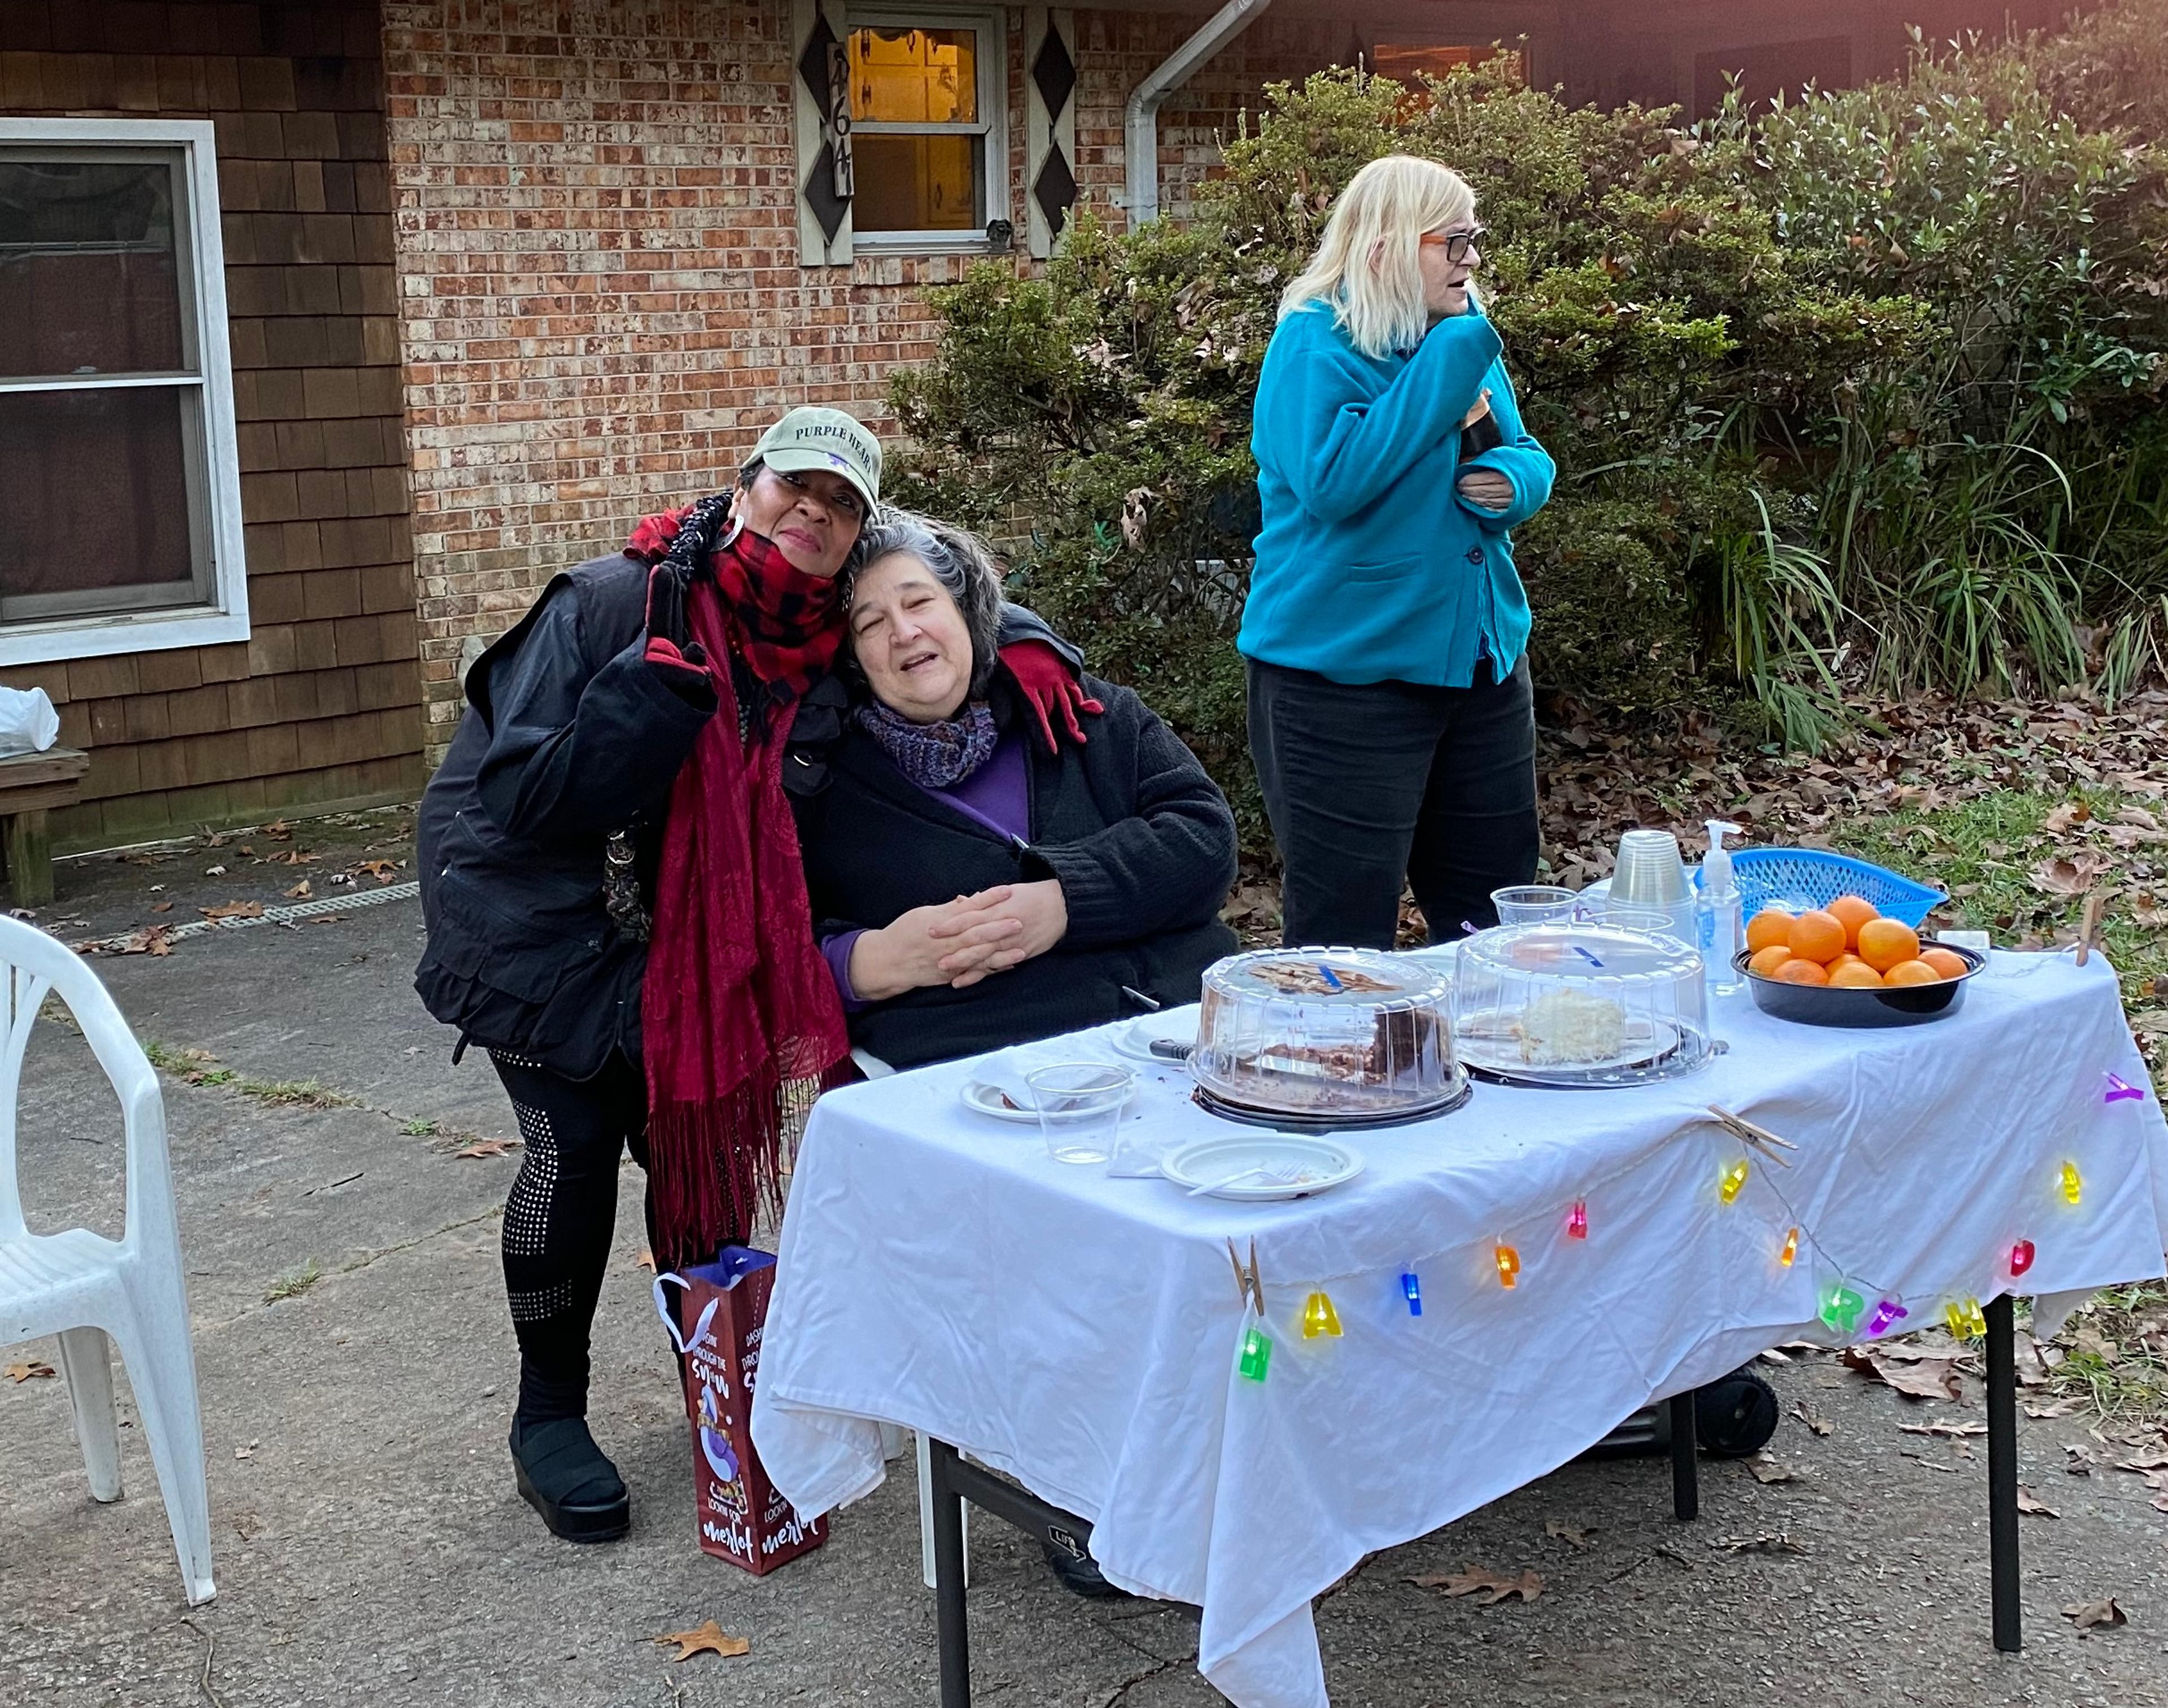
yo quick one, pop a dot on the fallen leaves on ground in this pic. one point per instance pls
(29, 1370)
(1915, 1377)
(1767, 1542)
(1573, 1535)
(161, 906)
(234, 910)
(1940, 1428)
(646, 1260)
(1481, 1582)
(2060, 1408)
(703, 1638)
(2097, 1615)
(247, 1452)
(1820, 1426)
(1765, 1469)
(2028, 1502)
(487, 1148)
(151, 939)
(301, 892)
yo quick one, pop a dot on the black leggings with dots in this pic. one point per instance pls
(560, 1218)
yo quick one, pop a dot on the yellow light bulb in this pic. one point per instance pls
(2073, 1187)
(1791, 1249)
(1509, 1265)
(1732, 1182)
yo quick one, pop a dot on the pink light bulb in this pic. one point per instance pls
(2021, 1257)
(1576, 1220)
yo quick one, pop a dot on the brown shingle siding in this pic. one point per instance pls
(294, 90)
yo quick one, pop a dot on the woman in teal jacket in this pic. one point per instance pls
(1390, 714)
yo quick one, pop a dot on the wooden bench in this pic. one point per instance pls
(32, 784)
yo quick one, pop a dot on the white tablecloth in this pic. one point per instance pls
(1081, 1334)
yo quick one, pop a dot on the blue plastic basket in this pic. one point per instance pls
(1784, 877)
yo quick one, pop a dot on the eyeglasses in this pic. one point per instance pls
(1457, 245)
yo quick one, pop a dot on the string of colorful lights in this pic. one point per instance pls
(1842, 1301)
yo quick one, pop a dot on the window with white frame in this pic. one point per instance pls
(120, 499)
(928, 128)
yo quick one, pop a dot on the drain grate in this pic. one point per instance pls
(282, 915)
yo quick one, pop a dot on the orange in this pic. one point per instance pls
(1859, 976)
(1945, 962)
(1851, 912)
(1766, 961)
(1819, 937)
(1769, 928)
(1911, 973)
(1883, 943)
(1848, 959)
(1798, 972)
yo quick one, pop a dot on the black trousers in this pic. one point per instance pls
(1372, 786)
(560, 1215)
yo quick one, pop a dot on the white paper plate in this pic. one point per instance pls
(1317, 1165)
(989, 1100)
(1134, 1041)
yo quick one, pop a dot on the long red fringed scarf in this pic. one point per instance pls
(738, 1003)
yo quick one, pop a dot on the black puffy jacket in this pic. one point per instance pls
(1139, 836)
(569, 736)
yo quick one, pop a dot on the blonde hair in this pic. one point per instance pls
(1366, 265)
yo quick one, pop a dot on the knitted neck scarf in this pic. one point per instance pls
(738, 1011)
(935, 755)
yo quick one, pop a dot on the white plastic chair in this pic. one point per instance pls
(82, 1287)
(874, 1067)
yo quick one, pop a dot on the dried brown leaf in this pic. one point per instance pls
(1916, 1378)
(704, 1638)
(1573, 1535)
(1481, 1582)
(301, 892)
(1768, 1542)
(234, 910)
(1820, 1426)
(2097, 1615)
(1951, 1430)
(29, 1370)
(1764, 1469)
(2030, 1503)
(487, 1148)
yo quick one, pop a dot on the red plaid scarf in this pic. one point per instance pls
(738, 1008)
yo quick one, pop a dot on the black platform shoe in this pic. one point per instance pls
(570, 1481)
(1080, 1573)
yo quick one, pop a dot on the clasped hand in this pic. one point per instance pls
(959, 942)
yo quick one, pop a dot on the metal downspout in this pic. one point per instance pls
(1141, 123)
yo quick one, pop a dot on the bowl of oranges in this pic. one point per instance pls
(1848, 965)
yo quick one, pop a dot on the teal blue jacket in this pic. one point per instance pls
(1370, 566)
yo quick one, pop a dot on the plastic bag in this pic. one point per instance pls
(1141, 1145)
(28, 722)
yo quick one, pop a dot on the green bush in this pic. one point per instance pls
(1867, 386)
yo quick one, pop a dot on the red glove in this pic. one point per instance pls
(1048, 686)
(686, 678)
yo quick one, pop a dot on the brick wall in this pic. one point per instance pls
(1116, 51)
(320, 704)
(599, 266)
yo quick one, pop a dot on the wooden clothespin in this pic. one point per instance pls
(1760, 1139)
(1248, 1281)
(2089, 920)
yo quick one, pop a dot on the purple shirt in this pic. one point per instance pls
(996, 796)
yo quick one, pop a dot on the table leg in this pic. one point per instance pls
(949, 1615)
(29, 859)
(2002, 1475)
(1685, 1469)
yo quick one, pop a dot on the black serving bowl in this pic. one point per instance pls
(1900, 1005)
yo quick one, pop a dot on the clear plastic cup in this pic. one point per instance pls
(1533, 904)
(1079, 1105)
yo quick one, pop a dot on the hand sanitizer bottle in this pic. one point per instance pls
(1722, 925)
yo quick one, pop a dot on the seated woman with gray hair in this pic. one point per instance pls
(971, 890)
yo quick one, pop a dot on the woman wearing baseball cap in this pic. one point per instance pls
(615, 906)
